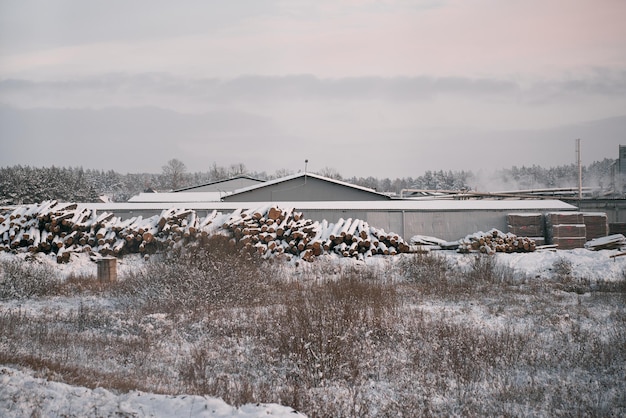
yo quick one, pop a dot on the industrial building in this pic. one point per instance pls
(320, 198)
(305, 187)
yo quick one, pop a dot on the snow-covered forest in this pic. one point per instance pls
(24, 184)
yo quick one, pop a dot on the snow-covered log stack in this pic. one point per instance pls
(494, 241)
(272, 231)
(62, 229)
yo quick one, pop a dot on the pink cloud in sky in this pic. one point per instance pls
(469, 38)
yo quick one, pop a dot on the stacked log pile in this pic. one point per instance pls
(566, 229)
(273, 231)
(494, 241)
(527, 224)
(63, 229)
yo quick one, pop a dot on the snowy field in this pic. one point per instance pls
(538, 333)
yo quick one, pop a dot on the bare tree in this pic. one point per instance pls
(237, 169)
(174, 172)
(331, 173)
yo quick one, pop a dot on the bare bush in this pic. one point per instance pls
(211, 275)
(326, 326)
(426, 268)
(25, 279)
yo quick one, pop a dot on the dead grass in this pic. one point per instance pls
(339, 342)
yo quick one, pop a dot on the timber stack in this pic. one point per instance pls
(65, 228)
(273, 231)
(494, 241)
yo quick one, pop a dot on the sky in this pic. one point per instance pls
(388, 88)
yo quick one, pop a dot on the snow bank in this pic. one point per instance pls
(23, 395)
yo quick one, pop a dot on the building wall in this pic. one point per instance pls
(304, 189)
(615, 209)
(447, 225)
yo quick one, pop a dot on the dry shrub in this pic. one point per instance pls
(26, 279)
(210, 275)
(326, 327)
(433, 274)
(77, 284)
(425, 268)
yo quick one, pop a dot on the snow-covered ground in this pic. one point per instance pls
(24, 393)
(605, 265)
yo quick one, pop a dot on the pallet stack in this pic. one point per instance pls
(597, 225)
(566, 229)
(527, 224)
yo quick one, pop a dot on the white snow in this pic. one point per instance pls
(24, 395)
(177, 197)
(426, 205)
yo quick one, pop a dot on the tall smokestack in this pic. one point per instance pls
(580, 170)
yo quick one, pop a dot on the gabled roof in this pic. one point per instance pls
(213, 183)
(307, 175)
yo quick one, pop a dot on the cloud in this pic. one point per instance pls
(160, 89)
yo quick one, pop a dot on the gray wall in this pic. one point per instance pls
(447, 225)
(615, 209)
(303, 189)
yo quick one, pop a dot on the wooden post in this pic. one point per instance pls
(107, 269)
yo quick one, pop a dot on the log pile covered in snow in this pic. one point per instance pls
(494, 241)
(273, 231)
(63, 228)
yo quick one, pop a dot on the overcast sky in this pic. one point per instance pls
(387, 88)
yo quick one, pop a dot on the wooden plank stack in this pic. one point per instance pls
(494, 241)
(611, 242)
(64, 228)
(566, 229)
(527, 224)
(596, 224)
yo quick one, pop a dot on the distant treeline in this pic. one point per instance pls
(23, 184)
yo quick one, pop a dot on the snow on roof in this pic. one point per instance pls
(410, 205)
(218, 182)
(179, 197)
(298, 175)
